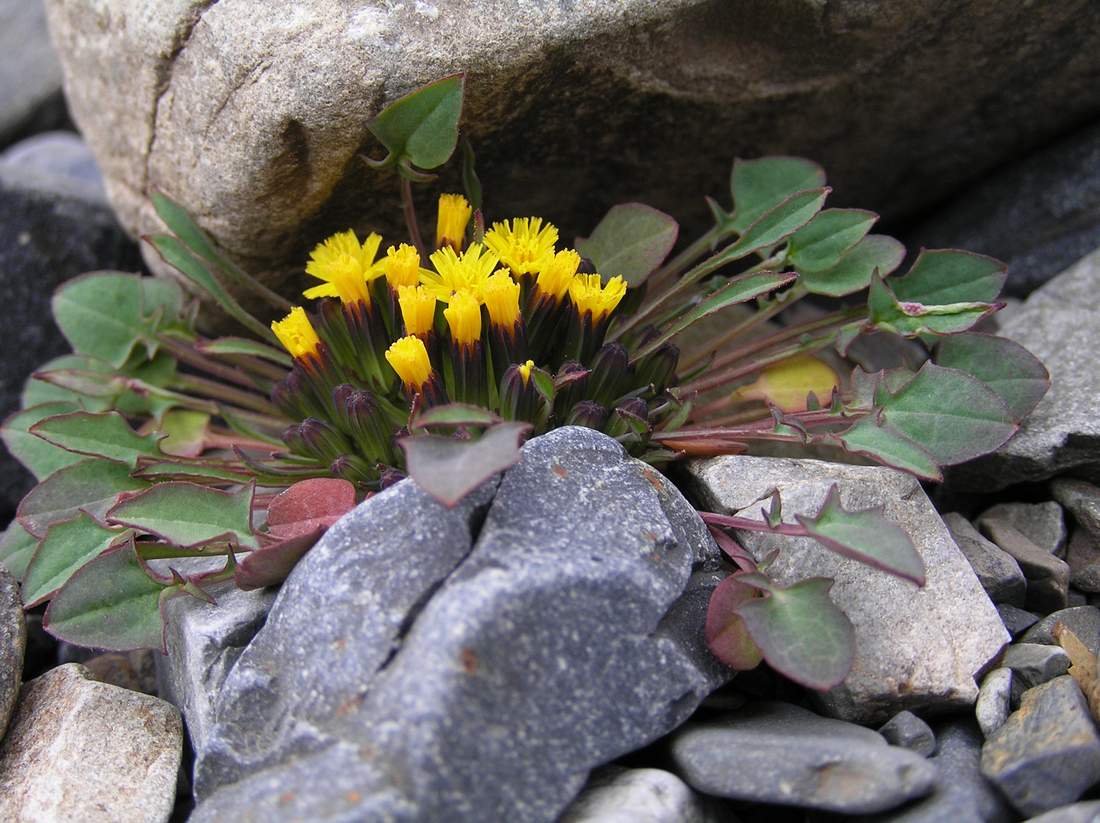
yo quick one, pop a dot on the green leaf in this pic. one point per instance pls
(819, 245)
(865, 535)
(105, 314)
(17, 546)
(1016, 375)
(454, 414)
(270, 565)
(40, 458)
(943, 276)
(449, 469)
(800, 630)
(631, 240)
(204, 471)
(100, 434)
(67, 546)
(90, 485)
(760, 185)
(37, 391)
(875, 252)
(726, 634)
(737, 290)
(774, 225)
(111, 603)
(184, 433)
(890, 447)
(241, 345)
(422, 126)
(910, 319)
(189, 515)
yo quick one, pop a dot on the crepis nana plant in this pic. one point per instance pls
(153, 443)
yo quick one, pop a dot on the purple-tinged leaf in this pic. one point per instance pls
(183, 433)
(1016, 375)
(631, 240)
(189, 515)
(90, 485)
(800, 630)
(874, 253)
(309, 504)
(448, 469)
(865, 535)
(819, 245)
(17, 547)
(66, 547)
(100, 434)
(762, 184)
(870, 438)
(39, 456)
(204, 472)
(942, 276)
(725, 631)
(454, 414)
(775, 225)
(910, 319)
(242, 345)
(270, 564)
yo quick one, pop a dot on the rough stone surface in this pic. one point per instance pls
(1058, 325)
(961, 792)
(1083, 621)
(1016, 620)
(1083, 501)
(1039, 214)
(13, 644)
(1083, 557)
(997, 571)
(136, 670)
(30, 76)
(616, 795)
(254, 115)
(1047, 753)
(915, 647)
(1085, 812)
(994, 701)
(1044, 524)
(49, 236)
(1032, 664)
(1047, 576)
(772, 752)
(82, 750)
(907, 730)
(473, 663)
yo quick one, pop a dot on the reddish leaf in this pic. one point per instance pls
(726, 634)
(319, 498)
(271, 564)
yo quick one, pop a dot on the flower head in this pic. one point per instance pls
(409, 358)
(450, 226)
(402, 266)
(525, 371)
(296, 334)
(463, 317)
(456, 273)
(556, 273)
(345, 266)
(501, 296)
(523, 243)
(417, 309)
(590, 295)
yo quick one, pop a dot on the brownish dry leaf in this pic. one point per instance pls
(1083, 666)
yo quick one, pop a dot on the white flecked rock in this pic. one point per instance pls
(617, 795)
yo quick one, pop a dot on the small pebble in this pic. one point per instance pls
(1047, 576)
(1015, 619)
(1044, 524)
(907, 730)
(994, 700)
(1032, 664)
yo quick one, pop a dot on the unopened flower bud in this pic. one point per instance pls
(588, 414)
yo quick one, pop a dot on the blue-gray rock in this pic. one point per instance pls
(1016, 620)
(13, 643)
(1047, 753)
(1032, 664)
(617, 795)
(997, 571)
(770, 752)
(1083, 621)
(1044, 524)
(994, 701)
(1083, 558)
(961, 793)
(473, 663)
(60, 158)
(1084, 812)
(1047, 576)
(1083, 502)
(907, 730)
(30, 77)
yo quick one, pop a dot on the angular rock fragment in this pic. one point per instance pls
(1044, 524)
(1047, 576)
(907, 730)
(998, 571)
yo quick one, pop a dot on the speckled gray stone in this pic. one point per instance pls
(464, 670)
(1082, 500)
(1083, 621)
(997, 571)
(1016, 620)
(1083, 558)
(1047, 576)
(13, 644)
(1032, 664)
(1084, 812)
(994, 701)
(1047, 753)
(618, 795)
(907, 730)
(772, 752)
(1044, 524)
(915, 647)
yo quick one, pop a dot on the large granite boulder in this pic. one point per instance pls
(254, 114)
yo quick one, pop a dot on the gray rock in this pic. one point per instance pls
(134, 670)
(1083, 621)
(1039, 214)
(915, 647)
(1057, 324)
(1076, 598)
(1083, 501)
(1016, 620)
(994, 701)
(60, 157)
(1083, 557)
(997, 571)
(13, 644)
(30, 77)
(1047, 576)
(254, 115)
(617, 795)
(778, 753)
(1033, 664)
(1085, 812)
(1044, 524)
(961, 793)
(1047, 753)
(82, 750)
(907, 730)
(463, 669)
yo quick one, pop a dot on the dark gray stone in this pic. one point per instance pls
(1044, 524)
(772, 752)
(462, 670)
(961, 793)
(1085, 812)
(907, 730)
(617, 795)
(1016, 620)
(1032, 664)
(1047, 576)
(1039, 214)
(997, 571)
(1083, 557)
(13, 644)
(994, 701)
(1047, 753)
(1083, 621)
(30, 77)
(1083, 502)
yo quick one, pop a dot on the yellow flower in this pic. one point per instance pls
(464, 318)
(590, 296)
(525, 371)
(556, 273)
(345, 265)
(296, 334)
(457, 273)
(417, 309)
(501, 296)
(523, 243)
(450, 225)
(402, 266)
(409, 358)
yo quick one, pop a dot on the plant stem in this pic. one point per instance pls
(685, 258)
(201, 361)
(159, 551)
(713, 381)
(748, 524)
(219, 391)
(410, 218)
